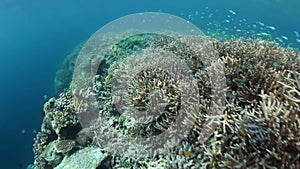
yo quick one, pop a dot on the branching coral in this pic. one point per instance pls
(258, 127)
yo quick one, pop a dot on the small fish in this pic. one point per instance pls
(298, 40)
(270, 38)
(271, 27)
(232, 12)
(260, 23)
(279, 39)
(188, 153)
(265, 34)
(23, 131)
(284, 37)
(297, 34)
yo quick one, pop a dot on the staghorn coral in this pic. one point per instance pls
(258, 127)
(251, 67)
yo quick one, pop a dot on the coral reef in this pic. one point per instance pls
(60, 114)
(64, 74)
(59, 128)
(259, 127)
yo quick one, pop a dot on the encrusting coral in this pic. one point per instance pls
(259, 126)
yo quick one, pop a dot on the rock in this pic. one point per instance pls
(64, 146)
(51, 155)
(87, 158)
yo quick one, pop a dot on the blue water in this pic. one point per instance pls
(36, 35)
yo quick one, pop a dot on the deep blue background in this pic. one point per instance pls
(36, 35)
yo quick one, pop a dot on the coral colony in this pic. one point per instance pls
(258, 127)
